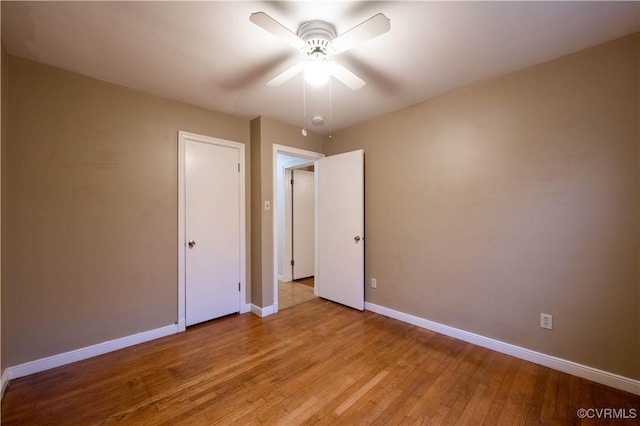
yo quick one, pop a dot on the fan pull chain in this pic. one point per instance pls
(330, 112)
(304, 108)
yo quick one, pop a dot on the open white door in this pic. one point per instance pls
(340, 228)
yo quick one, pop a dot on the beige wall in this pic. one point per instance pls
(3, 196)
(256, 215)
(638, 169)
(492, 204)
(92, 208)
(1, 181)
(266, 132)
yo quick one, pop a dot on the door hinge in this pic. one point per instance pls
(291, 181)
(238, 286)
(291, 262)
(238, 167)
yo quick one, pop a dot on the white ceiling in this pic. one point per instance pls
(209, 54)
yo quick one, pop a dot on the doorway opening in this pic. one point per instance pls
(293, 228)
(297, 261)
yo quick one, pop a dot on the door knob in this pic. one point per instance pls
(357, 238)
(192, 244)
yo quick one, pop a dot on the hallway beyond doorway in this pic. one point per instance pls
(295, 292)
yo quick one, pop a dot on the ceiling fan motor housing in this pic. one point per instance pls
(317, 40)
(317, 35)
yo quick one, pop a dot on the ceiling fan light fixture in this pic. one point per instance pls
(318, 40)
(317, 72)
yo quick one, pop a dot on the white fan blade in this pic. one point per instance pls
(286, 75)
(372, 27)
(344, 76)
(274, 27)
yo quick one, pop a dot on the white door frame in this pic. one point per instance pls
(297, 152)
(183, 137)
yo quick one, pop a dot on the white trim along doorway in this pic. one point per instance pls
(295, 152)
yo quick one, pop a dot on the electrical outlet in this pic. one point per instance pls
(546, 321)
(374, 283)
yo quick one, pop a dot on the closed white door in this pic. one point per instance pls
(303, 223)
(212, 231)
(340, 228)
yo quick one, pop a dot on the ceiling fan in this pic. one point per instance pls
(318, 41)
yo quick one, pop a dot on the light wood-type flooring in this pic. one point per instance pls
(314, 363)
(295, 292)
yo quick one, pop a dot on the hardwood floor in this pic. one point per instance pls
(309, 281)
(316, 363)
(295, 292)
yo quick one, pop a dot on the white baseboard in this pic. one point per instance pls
(245, 307)
(262, 312)
(4, 381)
(86, 352)
(570, 367)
